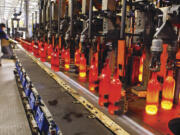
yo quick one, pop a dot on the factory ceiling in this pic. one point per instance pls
(8, 7)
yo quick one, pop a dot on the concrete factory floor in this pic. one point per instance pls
(70, 116)
(13, 119)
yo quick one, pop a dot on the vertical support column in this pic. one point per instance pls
(70, 14)
(36, 18)
(123, 19)
(90, 19)
(40, 12)
(26, 5)
(85, 6)
(33, 23)
(44, 12)
(59, 15)
(50, 17)
(85, 9)
(122, 43)
(12, 25)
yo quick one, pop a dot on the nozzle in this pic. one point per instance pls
(171, 49)
(156, 50)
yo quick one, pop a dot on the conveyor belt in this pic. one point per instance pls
(133, 122)
(124, 124)
(71, 116)
(13, 119)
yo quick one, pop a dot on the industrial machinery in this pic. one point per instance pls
(125, 51)
(17, 31)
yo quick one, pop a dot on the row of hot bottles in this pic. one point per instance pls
(61, 58)
(109, 89)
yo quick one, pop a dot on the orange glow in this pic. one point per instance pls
(93, 74)
(140, 77)
(62, 53)
(121, 56)
(151, 109)
(60, 42)
(82, 74)
(115, 94)
(178, 54)
(91, 88)
(164, 57)
(141, 67)
(178, 58)
(67, 59)
(31, 46)
(66, 67)
(104, 84)
(178, 64)
(166, 105)
(82, 68)
(49, 57)
(168, 91)
(77, 57)
(49, 51)
(152, 98)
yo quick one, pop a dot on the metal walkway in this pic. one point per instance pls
(71, 116)
(13, 119)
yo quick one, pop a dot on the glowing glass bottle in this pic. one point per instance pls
(115, 94)
(177, 91)
(168, 91)
(31, 46)
(49, 52)
(52, 60)
(39, 48)
(93, 75)
(77, 57)
(56, 59)
(82, 68)
(62, 57)
(152, 97)
(104, 84)
(141, 67)
(43, 52)
(67, 60)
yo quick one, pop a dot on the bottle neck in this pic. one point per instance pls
(154, 75)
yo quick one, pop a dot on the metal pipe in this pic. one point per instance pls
(123, 19)
(90, 19)
(59, 15)
(12, 25)
(44, 12)
(52, 10)
(27, 16)
(50, 17)
(32, 22)
(35, 17)
(71, 16)
(40, 12)
(47, 11)
(66, 12)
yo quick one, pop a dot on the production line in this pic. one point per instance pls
(105, 67)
